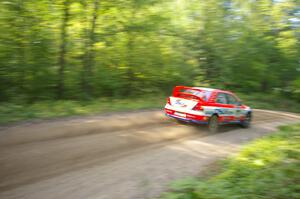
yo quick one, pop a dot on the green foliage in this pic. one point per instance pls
(267, 168)
(77, 49)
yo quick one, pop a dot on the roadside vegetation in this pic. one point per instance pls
(13, 112)
(267, 169)
(271, 101)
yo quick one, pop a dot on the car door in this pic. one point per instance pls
(225, 110)
(235, 106)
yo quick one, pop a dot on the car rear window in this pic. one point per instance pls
(203, 94)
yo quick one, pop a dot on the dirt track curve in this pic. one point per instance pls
(118, 156)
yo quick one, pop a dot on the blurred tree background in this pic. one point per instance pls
(85, 49)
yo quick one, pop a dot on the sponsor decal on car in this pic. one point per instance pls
(180, 103)
(224, 111)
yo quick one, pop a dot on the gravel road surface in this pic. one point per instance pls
(117, 156)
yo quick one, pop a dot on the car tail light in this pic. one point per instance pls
(169, 101)
(198, 107)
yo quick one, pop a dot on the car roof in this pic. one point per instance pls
(215, 90)
(206, 89)
(212, 89)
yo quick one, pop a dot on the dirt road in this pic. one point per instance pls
(129, 155)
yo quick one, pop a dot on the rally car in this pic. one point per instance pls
(207, 106)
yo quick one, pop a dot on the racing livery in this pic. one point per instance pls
(207, 106)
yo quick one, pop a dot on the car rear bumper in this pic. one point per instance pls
(187, 117)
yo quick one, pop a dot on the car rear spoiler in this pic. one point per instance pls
(177, 92)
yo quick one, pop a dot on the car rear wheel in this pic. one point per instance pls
(180, 121)
(213, 124)
(247, 121)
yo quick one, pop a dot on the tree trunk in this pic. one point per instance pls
(62, 53)
(89, 54)
(21, 47)
(130, 59)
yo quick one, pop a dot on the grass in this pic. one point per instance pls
(265, 169)
(11, 112)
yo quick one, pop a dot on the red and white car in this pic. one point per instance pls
(207, 106)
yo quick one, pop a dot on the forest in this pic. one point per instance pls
(87, 49)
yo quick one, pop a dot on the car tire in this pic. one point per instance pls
(213, 124)
(247, 122)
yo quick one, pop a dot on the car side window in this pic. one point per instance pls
(231, 99)
(221, 98)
